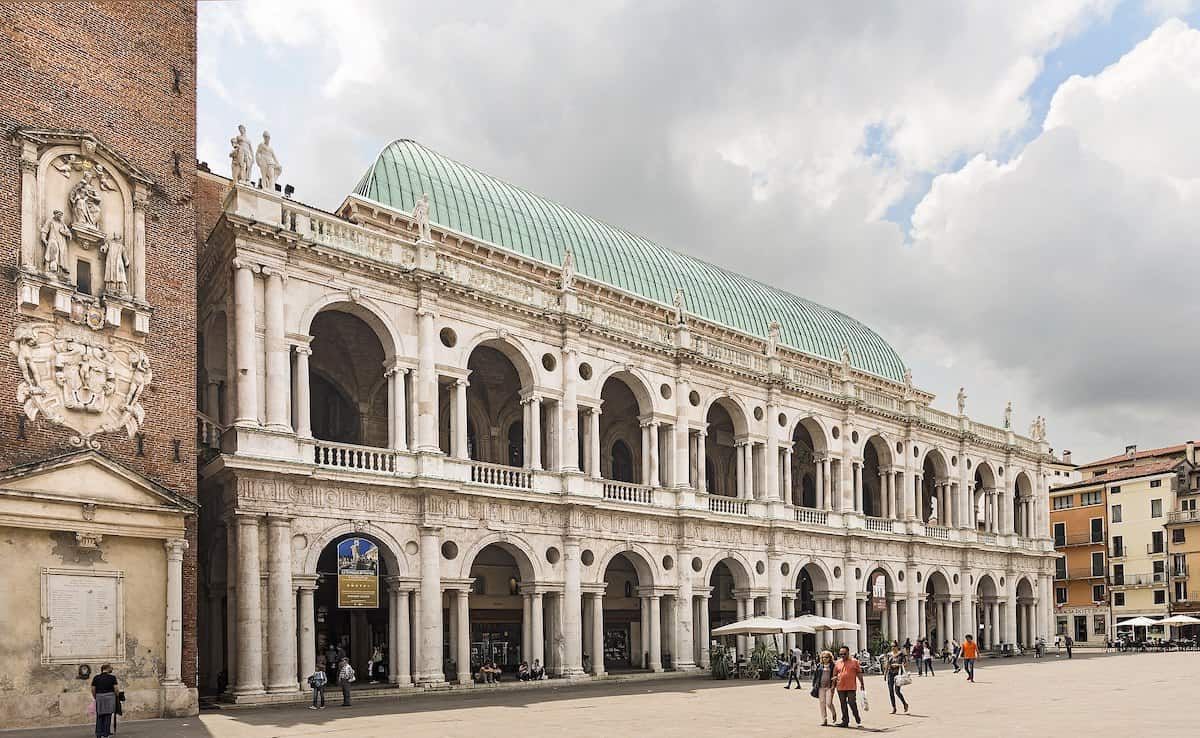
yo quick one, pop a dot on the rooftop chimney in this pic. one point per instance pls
(1131, 451)
(1066, 456)
(1191, 452)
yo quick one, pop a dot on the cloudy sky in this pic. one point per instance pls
(1008, 192)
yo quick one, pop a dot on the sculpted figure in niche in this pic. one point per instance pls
(420, 214)
(241, 158)
(933, 507)
(85, 204)
(116, 267)
(54, 238)
(268, 166)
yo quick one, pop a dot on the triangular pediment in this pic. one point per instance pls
(90, 476)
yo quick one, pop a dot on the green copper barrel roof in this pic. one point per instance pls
(491, 210)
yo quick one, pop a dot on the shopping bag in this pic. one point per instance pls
(903, 679)
(862, 697)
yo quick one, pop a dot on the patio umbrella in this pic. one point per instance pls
(1139, 622)
(1179, 620)
(760, 625)
(815, 623)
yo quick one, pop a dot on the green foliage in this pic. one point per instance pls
(719, 656)
(764, 658)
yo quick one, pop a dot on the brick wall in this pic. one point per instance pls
(110, 68)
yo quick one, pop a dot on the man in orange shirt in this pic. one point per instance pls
(970, 650)
(847, 673)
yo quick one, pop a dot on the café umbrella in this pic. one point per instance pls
(816, 623)
(1138, 622)
(760, 625)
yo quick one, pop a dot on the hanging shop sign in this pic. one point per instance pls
(879, 594)
(358, 574)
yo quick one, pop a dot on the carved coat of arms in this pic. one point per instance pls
(80, 380)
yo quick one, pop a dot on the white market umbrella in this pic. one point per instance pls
(816, 623)
(1179, 620)
(1138, 622)
(760, 625)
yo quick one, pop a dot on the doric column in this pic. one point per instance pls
(402, 673)
(281, 619)
(173, 658)
(537, 631)
(596, 601)
(458, 438)
(683, 655)
(913, 626)
(245, 355)
(569, 414)
(862, 621)
(703, 631)
(249, 608)
(526, 630)
(463, 656)
(789, 612)
(655, 634)
(427, 385)
(278, 381)
(300, 391)
(594, 443)
(1010, 610)
(418, 633)
(681, 436)
(701, 461)
(232, 569)
(893, 619)
(306, 628)
(572, 610)
(431, 607)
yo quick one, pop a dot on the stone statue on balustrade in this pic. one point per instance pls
(962, 400)
(241, 158)
(908, 384)
(420, 216)
(116, 267)
(1008, 415)
(269, 168)
(678, 302)
(568, 269)
(845, 368)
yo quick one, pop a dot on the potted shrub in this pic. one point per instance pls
(764, 658)
(719, 657)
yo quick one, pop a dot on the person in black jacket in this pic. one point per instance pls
(824, 686)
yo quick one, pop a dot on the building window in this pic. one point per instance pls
(1118, 599)
(1160, 596)
(1187, 505)
(1156, 542)
(1060, 568)
(1116, 513)
(1060, 534)
(1181, 592)
(1063, 502)
(1097, 530)
(1118, 574)
(1160, 570)
(1155, 483)
(1091, 498)
(1060, 595)
(1098, 625)
(1097, 563)
(1115, 490)
(1097, 593)
(1156, 508)
(1179, 565)
(1060, 625)
(1118, 546)
(1177, 536)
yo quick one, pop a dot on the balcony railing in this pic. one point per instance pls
(1077, 539)
(937, 531)
(881, 525)
(812, 516)
(208, 433)
(1082, 572)
(1184, 516)
(1155, 550)
(499, 475)
(989, 538)
(1139, 580)
(728, 505)
(354, 458)
(625, 492)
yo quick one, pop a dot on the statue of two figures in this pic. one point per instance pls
(243, 157)
(86, 229)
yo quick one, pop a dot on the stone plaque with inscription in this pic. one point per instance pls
(82, 616)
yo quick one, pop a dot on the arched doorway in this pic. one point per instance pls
(506, 614)
(882, 621)
(351, 603)
(631, 614)
(987, 621)
(1026, 614)
(937, 616)
(347, 389)
(878, 481)
(494, 410)
(985, 498)
(729, 461)
(804, 491)
(730, 599)
(935, 505)
(624, 457)
(1024, 508)
(813, 597)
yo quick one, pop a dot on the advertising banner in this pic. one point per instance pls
(879, 594)
(358, 574)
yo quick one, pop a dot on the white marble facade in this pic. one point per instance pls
(497, 407)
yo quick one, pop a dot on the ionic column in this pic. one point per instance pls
(655, 471)
(427, 386)
(594, 444)
(537, 629)
(701, 461)
(173, 664)
(819, 483)
(278, 381)
(249, 608)
(858, 486)
(397, 408)
(655, 634)
(572, 612)
(533, 453)
(703, 631)
(463, 655)
(891, 493)
(596, 601)
(281, 620)
(431, 607)
(306, 629)
(788, 494)
(403, 674)
(458, 436)
(245, 355)
(300, 391)
(569, 438)
(751, 487)
(826, 485)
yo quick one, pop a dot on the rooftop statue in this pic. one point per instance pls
(268, 166)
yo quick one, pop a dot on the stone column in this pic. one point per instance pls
(431, 607)
(463, 655)
(300, 390)
(281, 620)
(789, 612)
(249, 608)
(173, 658)
(858, 486)
(232, 569)
(427, 388)
(751, 485)
(458, 436)
(787, 476)
(596, 600)
(683, 656)
(701, 461)
(569, 415)
(826, 484)
(912, 616)
(862, 621)
(893, 630)
(306, 635)
(245, 353)
(402, 671)
(655, 643)
(655, 471)
(418, 633)
(537, 630)
(398, 408)
(703, 631)
(278, 381)
(572, 610)
(994, 623)
(1010, 610)
(594, 444)
(533, 452)
(212, 400)
(526, 630)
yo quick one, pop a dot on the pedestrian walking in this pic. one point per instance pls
(918, 655)
(793, 670)
(345, 679)
(1070, 645)
(317, 681)
(928, 655)
(824, 685)
(970, 650)
(945, 651)
(849, 677)
(893, 669)
(957, 651)
(104, 692)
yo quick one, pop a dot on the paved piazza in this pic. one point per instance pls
(1012, 698)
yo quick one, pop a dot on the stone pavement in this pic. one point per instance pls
(1098, 695)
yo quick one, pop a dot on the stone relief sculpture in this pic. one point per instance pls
(79, 379)
(55, 234)
(268, 166)
(1037, 429)
(241, 158)
(85, 204)
(116, 267)
(420, 215)
(962, 400)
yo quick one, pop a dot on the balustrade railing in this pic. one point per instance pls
(808, 379)
(499, 475)
(354, 458)
(619, 321)
(881, 525)
(989, 538)
(1184, 516)
(936, 417)
(937, 531)
(989, 433)
(208, 432)
(812, 516)
(879, 400)
(728, 354)
(728, 505)
(339, 234)
(625, 492)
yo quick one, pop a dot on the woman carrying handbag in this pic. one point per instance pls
(824, 687)
(897, 675)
